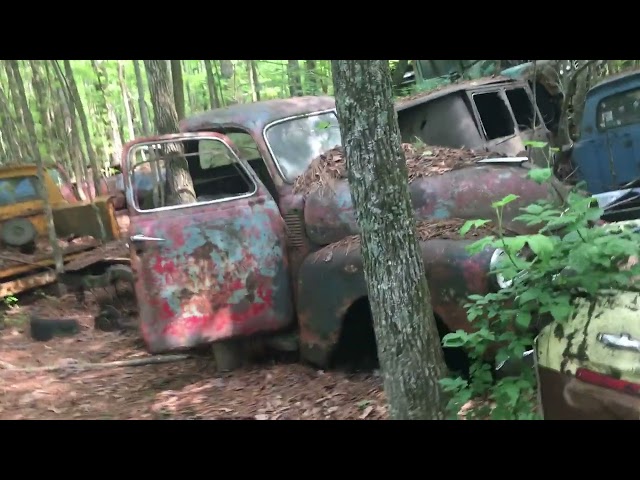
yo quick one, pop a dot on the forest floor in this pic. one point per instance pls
(185, 389)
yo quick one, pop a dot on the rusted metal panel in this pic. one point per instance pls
(602, 336)
(331, 280)
(209, 271)
(257, 115)
(214, 277)
(466, 193)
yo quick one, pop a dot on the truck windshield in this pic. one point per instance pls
(297, 141)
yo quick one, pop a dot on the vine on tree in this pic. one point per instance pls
(543, 273)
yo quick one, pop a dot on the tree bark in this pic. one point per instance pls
(254, 83)
(25, 144)
(178, 88)
(179, 184)
(79, 108)
(211, 85)
(125, 100)
(9, 131)
(144, 112)
(31, 131)
(409, 350)
(311, 79)
(295, 80)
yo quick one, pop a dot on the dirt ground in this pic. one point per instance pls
(186, 389)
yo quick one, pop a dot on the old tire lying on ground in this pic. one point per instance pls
(108, 319)
(44, 329)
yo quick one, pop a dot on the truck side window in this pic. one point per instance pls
(522, 108)
(494, 115)
(619, 110)
(214, 170)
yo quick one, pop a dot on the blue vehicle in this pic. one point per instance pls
(607, 154)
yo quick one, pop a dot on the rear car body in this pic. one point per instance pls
(589, 368)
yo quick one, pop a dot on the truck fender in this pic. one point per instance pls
(331, 281)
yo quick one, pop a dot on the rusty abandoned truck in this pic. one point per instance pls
(260, 255)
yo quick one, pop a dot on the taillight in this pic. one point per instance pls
(601, 380)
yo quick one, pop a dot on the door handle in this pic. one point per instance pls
(619, 342)
(144, 238)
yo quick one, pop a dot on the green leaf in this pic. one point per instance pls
(508, 199)
(523, 319)
(515, 244)
(323, 125)
(540, 244)
(471, 223)
(455, 339)
(540, 175)
(534, 143)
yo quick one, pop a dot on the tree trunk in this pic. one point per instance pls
(409, 348)
(223, 103)
(178, 88)
(31, 131)
(253, 80)
(25, 144)
(96, 174)
(125, 100)
(179, 184)
(9, 131)
(77, 156)
(295, 80)
(39, 91)
(144, 112)
(211, 85)
(311, 78)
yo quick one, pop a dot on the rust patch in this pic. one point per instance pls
(422, 161)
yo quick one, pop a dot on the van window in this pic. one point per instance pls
(619, 110)
(494, 115)
(18, 189)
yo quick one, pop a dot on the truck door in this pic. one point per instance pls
(213, 268)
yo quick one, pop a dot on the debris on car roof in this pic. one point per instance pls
(422, 161)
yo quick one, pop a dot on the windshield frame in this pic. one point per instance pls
(287, 119)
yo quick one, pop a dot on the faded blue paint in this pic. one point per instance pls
(608, 158)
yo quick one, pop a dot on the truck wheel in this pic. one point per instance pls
(228, 354)
(44, 329)
(18, 232)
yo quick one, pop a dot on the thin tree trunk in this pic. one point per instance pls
(125, 101)
(25, 145)
(39, 91)
(77, 156)
(178, 88)
(31, 130)
(179, 184)
(211, 85)
(311, 78)
(223, 103)
(142, 104)
(409, 350)
(9, 131)
(56, 118)
(79, 107)
(253, 84)
(295, 80)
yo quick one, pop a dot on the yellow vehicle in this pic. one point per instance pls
(26, 259)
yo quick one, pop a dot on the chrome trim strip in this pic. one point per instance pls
(130, 197)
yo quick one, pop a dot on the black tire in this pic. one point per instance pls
(18, 232)
(108, 320)
(44, 329)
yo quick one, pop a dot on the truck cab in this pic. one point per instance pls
(607, 154)
(255, 254)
